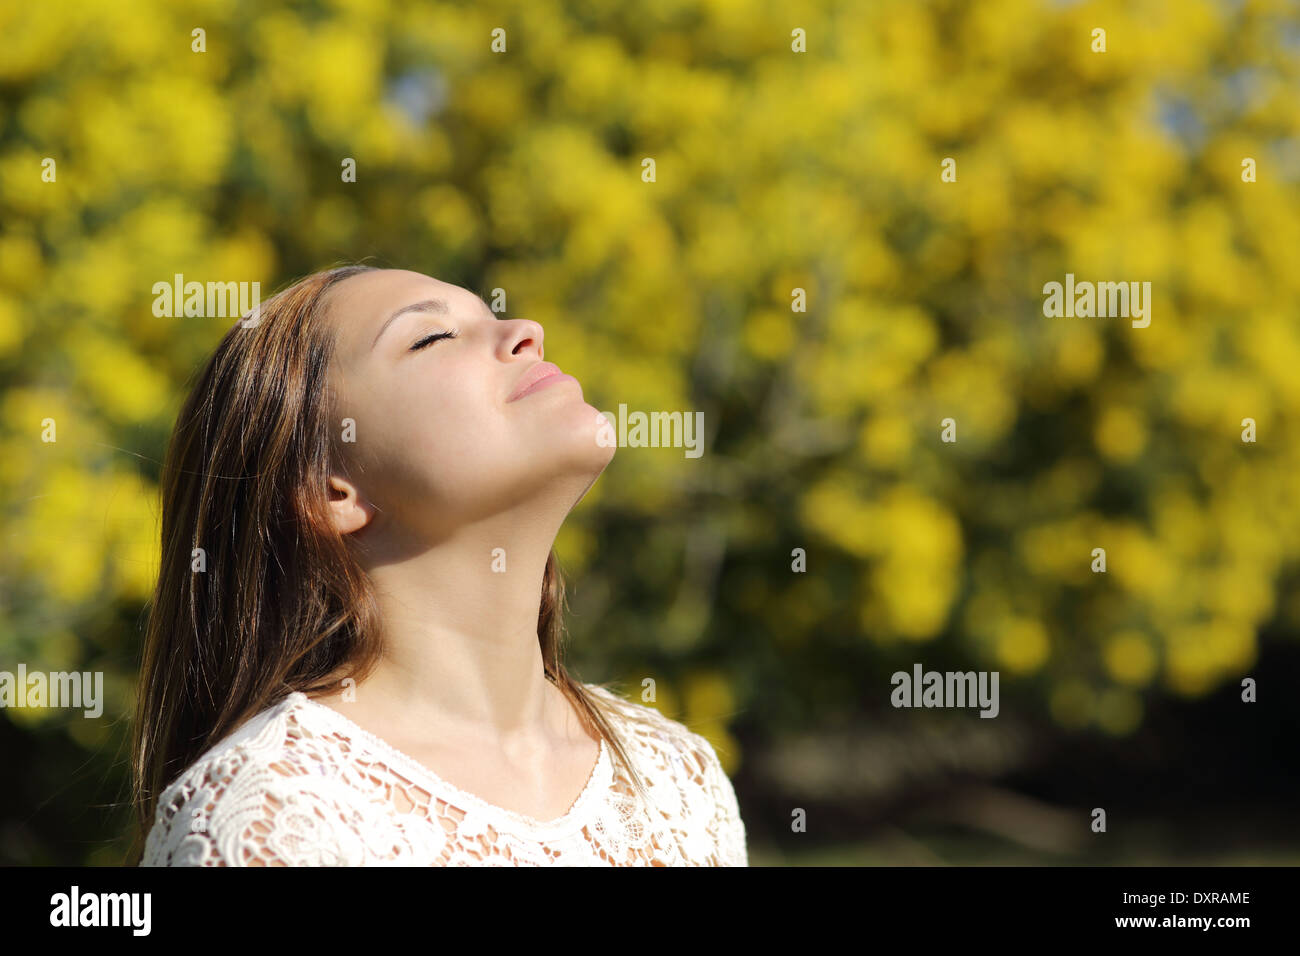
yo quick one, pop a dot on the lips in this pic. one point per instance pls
(531, 377)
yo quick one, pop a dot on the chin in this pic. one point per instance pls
(585, 428)
(595, 445)
(575, 441)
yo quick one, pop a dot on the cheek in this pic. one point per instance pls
(451, 427)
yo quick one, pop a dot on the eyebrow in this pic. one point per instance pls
(428, 305)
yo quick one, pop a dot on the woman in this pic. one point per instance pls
(353, 652)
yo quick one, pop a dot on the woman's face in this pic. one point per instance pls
(443, 436)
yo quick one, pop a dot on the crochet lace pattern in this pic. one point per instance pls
(302, 785)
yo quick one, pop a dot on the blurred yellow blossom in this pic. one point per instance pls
(1129, 658)
(1022, 645)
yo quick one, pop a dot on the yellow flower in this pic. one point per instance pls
(886, 440)
(769, 334)
(11, 326)
(1022, 645)
(1130, 658)
(1120, 434)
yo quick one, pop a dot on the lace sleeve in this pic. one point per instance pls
(230, 812)
(726, 826)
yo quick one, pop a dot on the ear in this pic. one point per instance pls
(349, 511)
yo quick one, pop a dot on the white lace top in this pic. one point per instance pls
(301, 785)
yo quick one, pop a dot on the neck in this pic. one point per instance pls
(460, 639)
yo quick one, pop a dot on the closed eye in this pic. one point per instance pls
(430, 339)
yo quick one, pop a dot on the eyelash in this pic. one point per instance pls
(430, 339)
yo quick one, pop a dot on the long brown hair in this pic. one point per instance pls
(258, 594)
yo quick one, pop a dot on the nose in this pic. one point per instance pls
(527, 335)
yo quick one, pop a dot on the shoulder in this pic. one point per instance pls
(653, 734)
(698, 794)
(263, 796)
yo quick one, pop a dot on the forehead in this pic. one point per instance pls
(361, 304)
